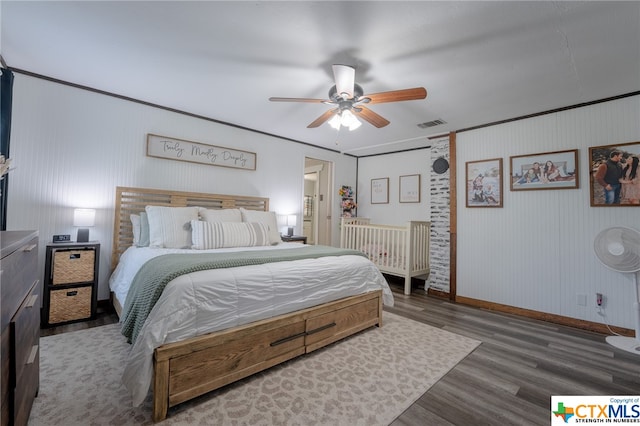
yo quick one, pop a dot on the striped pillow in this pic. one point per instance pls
(206, 235)
(169, 226)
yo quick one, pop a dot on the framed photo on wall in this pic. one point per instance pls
(484, 183)
(546, 170)
(410, 189)
(380, 191)
(614, 175)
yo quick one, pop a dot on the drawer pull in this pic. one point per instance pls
(32, 301)
(304, 333)
(72, 293)
(29, 248)
(32, 355)
(319, 329)
(287, 339)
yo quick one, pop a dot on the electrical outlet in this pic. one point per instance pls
(598, 299)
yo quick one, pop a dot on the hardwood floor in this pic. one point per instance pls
(510, 377)
(104, 316)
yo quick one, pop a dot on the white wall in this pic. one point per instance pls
(393, 166)
(71, 148)
(537, 251)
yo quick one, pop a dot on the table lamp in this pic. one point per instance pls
(291, 223)
(83, 218)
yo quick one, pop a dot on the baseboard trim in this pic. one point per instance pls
(507, 309)
(437, 293)
(542, 316)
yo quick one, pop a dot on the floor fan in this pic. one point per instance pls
(618, 248)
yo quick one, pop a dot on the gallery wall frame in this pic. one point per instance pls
(484, 183)
(545, 170)
(409, 189)
(380, 190)
(627, 193)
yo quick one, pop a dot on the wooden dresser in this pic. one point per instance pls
(20, 318)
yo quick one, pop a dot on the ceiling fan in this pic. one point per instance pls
(349, 100)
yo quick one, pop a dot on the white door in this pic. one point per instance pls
(319, 223)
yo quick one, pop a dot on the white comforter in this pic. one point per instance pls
(212, 300)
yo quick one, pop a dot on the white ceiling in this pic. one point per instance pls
(480, 62)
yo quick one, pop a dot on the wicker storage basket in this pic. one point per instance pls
(73, 266)
(70, 304)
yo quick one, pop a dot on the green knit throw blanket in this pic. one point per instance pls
(152, 278)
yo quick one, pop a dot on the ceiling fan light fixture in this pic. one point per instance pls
(355, 125)
(348, 98)
(345, 118)
(335, 121)
(349, 120)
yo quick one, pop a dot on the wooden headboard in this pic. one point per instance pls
(133, 201)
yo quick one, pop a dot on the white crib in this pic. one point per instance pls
(396, 250)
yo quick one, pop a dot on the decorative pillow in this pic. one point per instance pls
(170, 227)
(266, 218)
(140, 225)
(221, 215)
(144, 230)
(135, 223)
(206, 235)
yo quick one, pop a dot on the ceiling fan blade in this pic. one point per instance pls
(367, 115)
(315, 101)
(396, 96)
(324, 117)
(345, 78)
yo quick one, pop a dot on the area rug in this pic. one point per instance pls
(367, 379)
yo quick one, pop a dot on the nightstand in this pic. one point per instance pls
(70, 282)
(294, 238)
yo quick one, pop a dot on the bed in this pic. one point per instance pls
(396, 250)
(211, 327)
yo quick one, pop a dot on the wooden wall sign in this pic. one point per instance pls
(195, 152)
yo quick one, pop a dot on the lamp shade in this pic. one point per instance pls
(84, 217)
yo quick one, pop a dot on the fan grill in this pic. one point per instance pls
(618, 248)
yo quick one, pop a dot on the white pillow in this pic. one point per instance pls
(144, 230)
(140, 225)
(221, 215)
(266, 218)
(170, 227)
(206, 235)
(135, 223)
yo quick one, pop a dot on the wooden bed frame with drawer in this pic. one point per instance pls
(187, 369)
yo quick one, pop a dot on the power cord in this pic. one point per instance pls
(600, 311)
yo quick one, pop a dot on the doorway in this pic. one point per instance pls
(317, 201)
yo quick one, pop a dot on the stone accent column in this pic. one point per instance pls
(440, 224)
